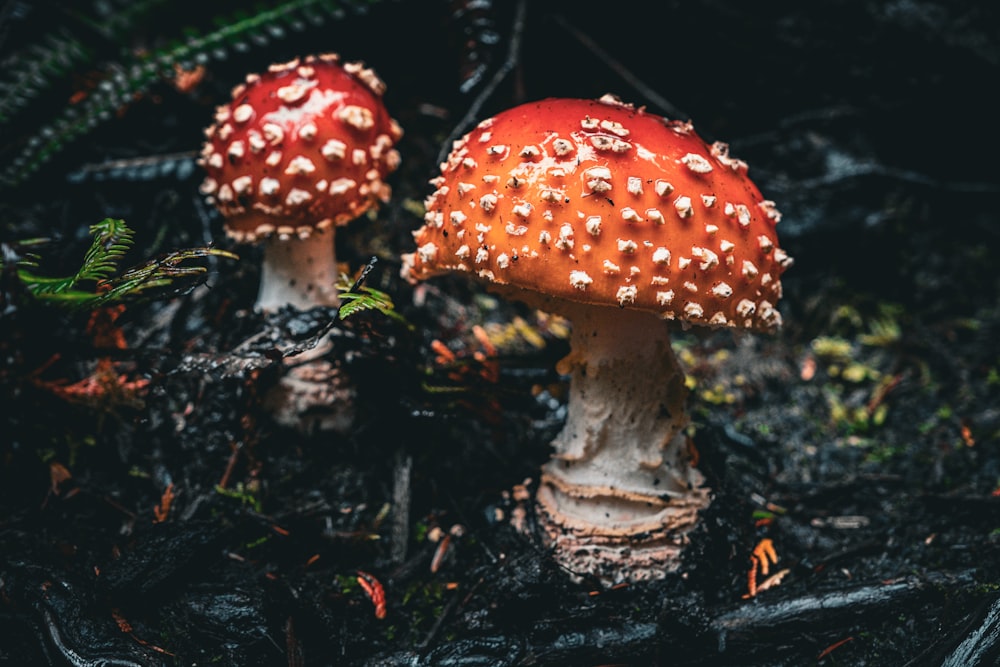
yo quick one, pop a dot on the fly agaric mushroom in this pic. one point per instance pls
(616, 219)
(300, 149)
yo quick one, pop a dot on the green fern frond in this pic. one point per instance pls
(356, 297)
(33, 70)
(123, 81)
(95, 283)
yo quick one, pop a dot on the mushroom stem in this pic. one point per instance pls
(620, 493)
(300, 272)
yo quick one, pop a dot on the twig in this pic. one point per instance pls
(513, 55)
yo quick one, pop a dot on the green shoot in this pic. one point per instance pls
(95, 283)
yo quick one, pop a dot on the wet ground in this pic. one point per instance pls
(153, 513)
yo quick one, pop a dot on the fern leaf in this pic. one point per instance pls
(122, 82)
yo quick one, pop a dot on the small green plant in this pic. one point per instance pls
(95, 283)
(356, 296)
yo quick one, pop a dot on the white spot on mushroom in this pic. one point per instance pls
(427, 252)
(488, 202)
(627, 246)
(273, 133)
(236, 150)
(708, 200)
(634, 185)
(293, 93)
(242, 184)
(708, 258)
(216, 161)
(626, 294)
(766, 244)
(697, 163)
(503, 260)
(522, 210)
(711, 229)
(719, 319)
(297, 197)
(770, 210)
(691, 287)
(342, 186)
(544, 237)
(614, 127)
(308, 131)
(358, 156)
(602, 143)
(208, 186)
(589, 123)
(300, 165)
(610, 267)
(726, 246)
(663, 188)
(273, 159)
(482, 254)
(485, 137)
(530, 151)
(464, 188)
(665, 298)
(360, 118)
(693, 310)
(516, 230)
(242, 113)
(497, 150)
(580, 279)
(683, 207)
(593, 225)
(269, 186)
(565, 240)
(722, 290)
(629, 214)
(655, 215)
(256, 142)
(552, 195)
(742, 215)
(562, 147)
(782, 258)
(746, 308)
(225, 193)
(334, 149)
(457, 218)
(749, 269)
(661, 256)
(469, 163)
(683, 262)
(659, 280)
(463, 251)
(721, 151)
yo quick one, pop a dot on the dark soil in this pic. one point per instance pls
(863, 439)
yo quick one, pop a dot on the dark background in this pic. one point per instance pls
(871, 124)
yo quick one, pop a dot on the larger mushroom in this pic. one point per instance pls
(621, 221)
(300, 149)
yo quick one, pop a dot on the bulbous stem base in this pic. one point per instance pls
(620, 494)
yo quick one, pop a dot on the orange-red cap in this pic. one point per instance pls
(602, 203)
(305, 145)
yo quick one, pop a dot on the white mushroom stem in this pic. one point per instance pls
(620, 493)
(298, 272)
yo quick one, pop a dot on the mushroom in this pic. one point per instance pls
(300, 149)
(621, 221)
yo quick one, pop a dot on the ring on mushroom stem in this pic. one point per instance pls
(301, 149)
(619, 220)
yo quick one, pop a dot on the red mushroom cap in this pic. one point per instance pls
(602, 203)
(303, 146)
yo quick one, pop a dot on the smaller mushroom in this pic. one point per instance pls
(300, 149)
(622, 221)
